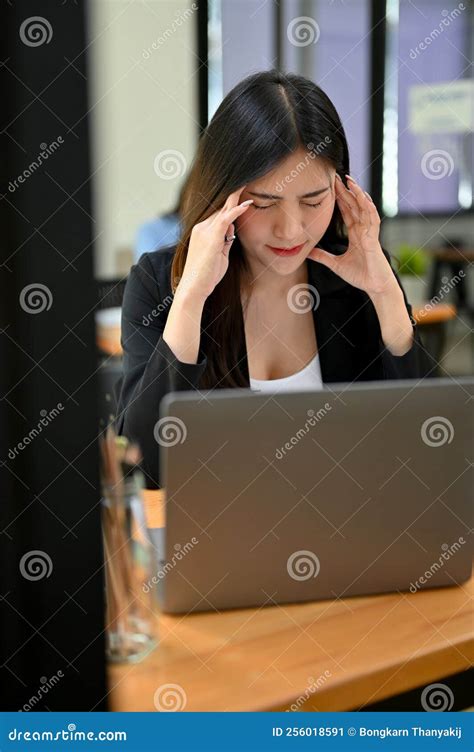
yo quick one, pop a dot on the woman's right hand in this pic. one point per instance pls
(208, 253)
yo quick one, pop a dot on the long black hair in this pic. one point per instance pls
(262, 120)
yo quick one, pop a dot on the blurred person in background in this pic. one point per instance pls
(159, 232)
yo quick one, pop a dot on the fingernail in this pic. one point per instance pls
(349, 178)
(368, 196)
(246, 203)
(338, 177)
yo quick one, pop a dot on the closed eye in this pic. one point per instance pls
(313, 206)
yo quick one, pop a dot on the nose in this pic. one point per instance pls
(288, 226)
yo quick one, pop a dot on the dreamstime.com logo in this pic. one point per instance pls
(303, 565)
(447, 18)
(170, 431)
(36, 565)
(313, 153)
(302, 298)
(182, 284)
(179, 554)
(46, 151)
(170, 164)
(310, 422)
(302, 31)
(46, 419)
(148, 319)
(437, 431)
(71, 734)
(448, 284)
(36, 298)
(170, 698)
(175, 24)
(45, 686)
(448, 552)
(313, 686)
(437, 164)
(35, 31)
(437, 698)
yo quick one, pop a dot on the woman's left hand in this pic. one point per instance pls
(364, 264)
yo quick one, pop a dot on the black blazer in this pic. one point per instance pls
(347, 330)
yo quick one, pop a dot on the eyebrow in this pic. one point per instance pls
(313, 194)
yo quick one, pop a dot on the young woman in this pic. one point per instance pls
(279, 280)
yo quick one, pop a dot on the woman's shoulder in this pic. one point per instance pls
(156, 266)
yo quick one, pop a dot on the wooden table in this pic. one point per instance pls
(325, 656)
(451, 253)
(434, 314)
(433, 320)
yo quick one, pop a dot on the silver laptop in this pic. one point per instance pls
(281, 498)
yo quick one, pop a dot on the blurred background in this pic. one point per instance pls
(400, 75)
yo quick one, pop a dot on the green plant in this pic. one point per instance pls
(412, 261)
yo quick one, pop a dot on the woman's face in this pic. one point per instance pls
(283, 215)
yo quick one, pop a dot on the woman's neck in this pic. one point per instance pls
(271, 285)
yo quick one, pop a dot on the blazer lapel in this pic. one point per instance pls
(335, 340)
(337, 350)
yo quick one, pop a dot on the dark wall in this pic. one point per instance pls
(52, 600)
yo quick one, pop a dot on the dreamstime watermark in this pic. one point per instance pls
(35, 31)
(36, 298)
(170, 431)
(45, 686)
(303, 298)
(437, 164)
(147, 320)
(437, 431)
(448, 284)
(437, 698)
(170, 698)
(169, 164)
(46, 419)
(448, 552)
(71, 734)
(175, 24)
(46, 151)
(448, 18)
(36, 565)
(314, 152)
(302, 31)
(179, 554)
(303, 565)
(182, 284)
(310, 422)
(313, 686)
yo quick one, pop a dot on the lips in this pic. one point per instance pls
(287, 251)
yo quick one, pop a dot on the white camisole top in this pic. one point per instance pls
(308, 378)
